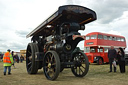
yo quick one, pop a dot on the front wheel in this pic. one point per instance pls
(81, 64)
(100, 61)
(51, 65)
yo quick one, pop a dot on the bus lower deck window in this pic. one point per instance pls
(86, 49)
(106, 50)
(100, 49)
(92, 49)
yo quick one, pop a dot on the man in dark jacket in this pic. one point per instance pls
(112, 56)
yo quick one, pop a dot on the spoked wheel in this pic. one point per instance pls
(81, 64)
(51, 65)
(31, 64)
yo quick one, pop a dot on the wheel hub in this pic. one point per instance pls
(30, 58)
(77, 63)
(49, 65)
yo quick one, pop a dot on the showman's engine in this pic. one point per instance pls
(54, 42)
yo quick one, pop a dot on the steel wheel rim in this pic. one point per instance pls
(50, 65)
(29, 59)
(81, 65)
(80, 69)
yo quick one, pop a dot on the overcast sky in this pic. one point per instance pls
(19, 17)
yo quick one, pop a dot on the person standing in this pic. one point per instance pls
(112, 56)
(13, 59)
(121, 60)
(17, 58)
(8, 61)
(21, 58)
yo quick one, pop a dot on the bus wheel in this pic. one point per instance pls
(100, 61)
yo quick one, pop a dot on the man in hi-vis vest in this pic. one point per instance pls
(8, 61)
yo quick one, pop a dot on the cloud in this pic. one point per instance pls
(70, 2)
(107, 10)
(13, 45)
(18, 18)
(22, 33)
(1, 40)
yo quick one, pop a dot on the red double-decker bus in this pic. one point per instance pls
(97, 44)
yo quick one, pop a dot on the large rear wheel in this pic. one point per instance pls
(31, 64)
(51, 65)
(81, 64)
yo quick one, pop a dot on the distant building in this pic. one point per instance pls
(18, 53)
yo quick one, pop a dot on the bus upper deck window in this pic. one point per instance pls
(122, 39)
(93, 36)
(105, 37)
(87, 37)
(109, 37)
(118, 39)
(114, 38)
(100, 37)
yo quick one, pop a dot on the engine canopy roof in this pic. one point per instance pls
(66, 13)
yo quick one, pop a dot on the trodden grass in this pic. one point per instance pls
(97, 75)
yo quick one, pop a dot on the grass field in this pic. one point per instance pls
(97, 75)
